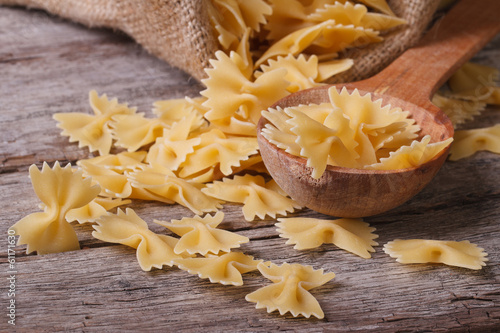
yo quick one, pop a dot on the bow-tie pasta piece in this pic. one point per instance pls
(93, 131)
(282, 140)
(94, 209)
(258, 197)
(376, 126)
(326, 37)
(319, 142)
(119, 162)
(338, 37)
(475, 82)
(411, 156)
(60, 190)
(229, 91)
(294, 43)
(305, 73)
(218, 150)
(468, 142)
(200, 235)
(237, 124)
(231, 19)
(452, 253)
(173, 147)
(135, 131)
(471, 87)
(347, 13)
(113, 183)
(225, 269)
(161, 182)
(287, 16)
(291, 15)
(171, 111)
(279, 130)
(380, 5)
(352, 235)
(290, 290)
(459, 111)
(127, 228)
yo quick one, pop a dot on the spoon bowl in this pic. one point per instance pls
(347, 192)
(408, 83)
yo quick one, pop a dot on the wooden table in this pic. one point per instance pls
(48, 65)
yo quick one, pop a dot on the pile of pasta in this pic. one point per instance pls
(351, 131)
(202, 152)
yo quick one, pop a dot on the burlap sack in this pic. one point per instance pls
(179, 32)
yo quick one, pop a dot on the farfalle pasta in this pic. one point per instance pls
(350, 131)
(93, 131)
(459, 111)
(419, 251)
(60, 190)
(418, 153)
(352, 235)
(197, 140)
(346, 13)
(326, 37)
(305, 73)
(290, 289)
(113, 183)
(201, 235)
(468, 142)
(226, 268)
(127, 228)
(470, 88)
(475, 82)
(217, 150)
(292, 15)
(229, 91)
(133, 131)
(258, 197)
(231, 19)
(172, 148)
(160, 182)
(94, 209)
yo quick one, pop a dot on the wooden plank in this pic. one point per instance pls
(48, 65)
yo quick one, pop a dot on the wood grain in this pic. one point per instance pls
(48, 65)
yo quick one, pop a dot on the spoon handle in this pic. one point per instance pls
(420, 71)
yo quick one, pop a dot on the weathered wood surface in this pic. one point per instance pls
(48, 65)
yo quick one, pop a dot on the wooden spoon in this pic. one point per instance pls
(409, 82)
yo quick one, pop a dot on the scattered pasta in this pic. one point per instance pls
(127, 228)
(200, 235)
(352, 235)
(133, 131)
(93, 131)
(269, 49)
(60, 190)
(418, 251)
(160, 182)
(217, 150)
(459, 111)
(468, 142)
(94, 209)
(229, 92)
(258, 197)
(225, 268)
(290, 289)
(471, 87)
